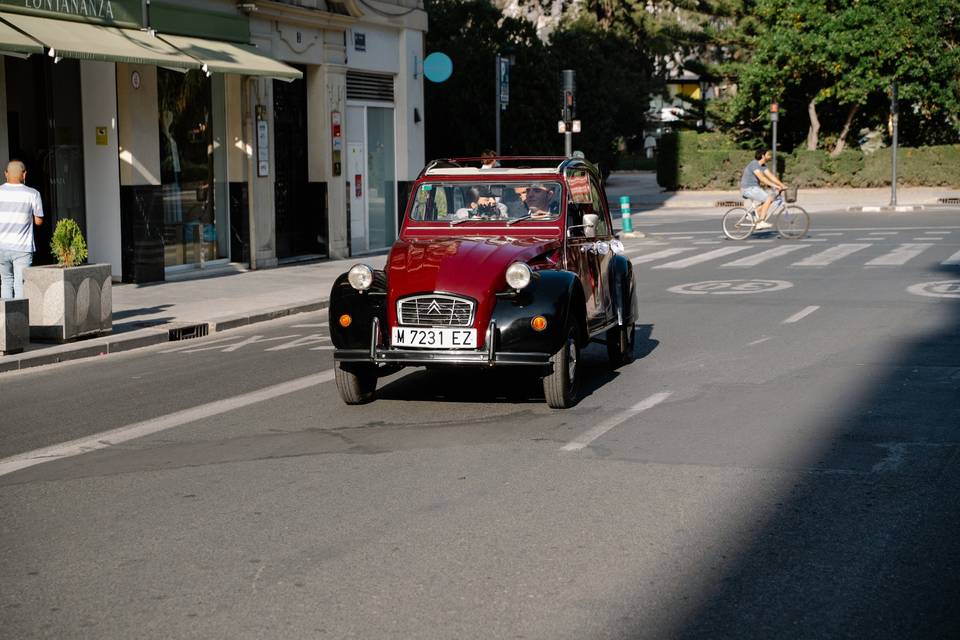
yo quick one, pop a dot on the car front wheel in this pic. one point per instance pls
(357, 383)
(561, 386)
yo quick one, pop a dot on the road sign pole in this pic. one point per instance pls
(894, 115)
(774, 118)
(496, 104)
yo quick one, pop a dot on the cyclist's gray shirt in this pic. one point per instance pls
(749, 179)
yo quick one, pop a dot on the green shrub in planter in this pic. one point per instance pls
(68, 244)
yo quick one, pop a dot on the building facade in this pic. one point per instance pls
(184, 135)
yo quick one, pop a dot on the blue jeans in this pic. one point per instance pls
(12, 264)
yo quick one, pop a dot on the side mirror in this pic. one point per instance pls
(590, 221)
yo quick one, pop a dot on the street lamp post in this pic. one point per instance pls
(894, 116)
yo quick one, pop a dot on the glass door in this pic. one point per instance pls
(371, 172)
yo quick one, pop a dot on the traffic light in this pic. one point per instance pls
(569, 95)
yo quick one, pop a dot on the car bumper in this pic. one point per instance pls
(473, 357)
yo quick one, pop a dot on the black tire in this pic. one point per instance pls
(620, 342)
(793, 223)
(356, 382)
(738, 224)
(561, 386)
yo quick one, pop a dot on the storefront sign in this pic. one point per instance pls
(263, 144)
(101, 11)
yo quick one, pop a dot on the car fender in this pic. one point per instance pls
(361, 306)
(623, 290)
(557, 296)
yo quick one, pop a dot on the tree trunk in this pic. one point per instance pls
(813, 134)
(842, 140)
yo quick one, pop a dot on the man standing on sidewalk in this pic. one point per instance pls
(755, 175)
(20, 209)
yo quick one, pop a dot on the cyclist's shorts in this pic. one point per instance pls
(755, 193)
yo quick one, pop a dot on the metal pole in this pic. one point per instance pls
(496, 104)
(774, 149)
(894, 112)
(568, 143)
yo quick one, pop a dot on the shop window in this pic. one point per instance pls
(187, 167)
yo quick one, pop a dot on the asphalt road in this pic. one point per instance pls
(781, 461)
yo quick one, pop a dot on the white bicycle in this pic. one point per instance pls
(790, 221)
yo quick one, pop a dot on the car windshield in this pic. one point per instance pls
(509, 202)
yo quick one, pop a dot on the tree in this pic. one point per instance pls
(838, 57)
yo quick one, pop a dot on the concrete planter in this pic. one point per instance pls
(14, 325)
(67, 303)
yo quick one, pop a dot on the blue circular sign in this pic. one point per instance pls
(437, 67)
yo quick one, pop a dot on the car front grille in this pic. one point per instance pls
(434, 310)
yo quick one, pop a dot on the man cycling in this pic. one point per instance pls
(755, 175)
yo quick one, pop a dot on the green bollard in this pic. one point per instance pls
(625, 214)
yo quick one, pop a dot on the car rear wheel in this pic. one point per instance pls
(620, 341)
(356, 382)
(561, 386)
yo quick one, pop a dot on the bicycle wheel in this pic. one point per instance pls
(738, 223)
(792, 223)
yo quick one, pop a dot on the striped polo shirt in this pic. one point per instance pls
(18, 204)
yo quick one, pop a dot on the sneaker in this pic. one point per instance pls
(763, 224)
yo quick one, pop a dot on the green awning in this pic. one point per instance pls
(71, 39)
(13, 40)
(227, 57)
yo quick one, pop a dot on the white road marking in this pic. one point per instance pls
(319, 325)
(926, 239)
(605, 426)
(656, 255)
(900, 255)
(952, 260)
(707, 242)
(681, 237)
(192, 344)
(756, 342)
(938, 233)
(763, 256)
(813, 240)
(323, 348)
(829, 234)
(800, 315)
(885, 233)
(703, 257)
(113, 437)
(830, 255)
(300, 342)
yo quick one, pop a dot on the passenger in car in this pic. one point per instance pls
(483, 205)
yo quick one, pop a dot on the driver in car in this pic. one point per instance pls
(539, 200)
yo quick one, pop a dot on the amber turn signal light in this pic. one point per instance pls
(345, 320)
(539, 323)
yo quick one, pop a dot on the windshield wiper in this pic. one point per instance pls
(521, 219)
(459, 221)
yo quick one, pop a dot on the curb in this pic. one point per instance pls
(888, 209)
(147, 337)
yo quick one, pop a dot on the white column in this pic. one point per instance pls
(98, 91)
(409, 97)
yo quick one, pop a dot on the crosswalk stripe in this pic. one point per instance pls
(900, 255)
(763, 256)
(656, 255)
(703, 257)
(952, 260)
(832, 254)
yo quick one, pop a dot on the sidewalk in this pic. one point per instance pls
(144, 315)
(646, 196)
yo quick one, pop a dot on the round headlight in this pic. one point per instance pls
(518, 275)
(360, 277)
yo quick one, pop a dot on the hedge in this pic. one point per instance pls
(691, 160)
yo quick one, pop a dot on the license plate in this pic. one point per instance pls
(428, 338)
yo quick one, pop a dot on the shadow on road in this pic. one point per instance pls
(867, 542)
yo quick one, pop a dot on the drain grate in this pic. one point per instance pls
(188, 332)
(948, 200)
(728, 203)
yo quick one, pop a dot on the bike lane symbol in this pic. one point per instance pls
(731, 287)
(939, 289)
